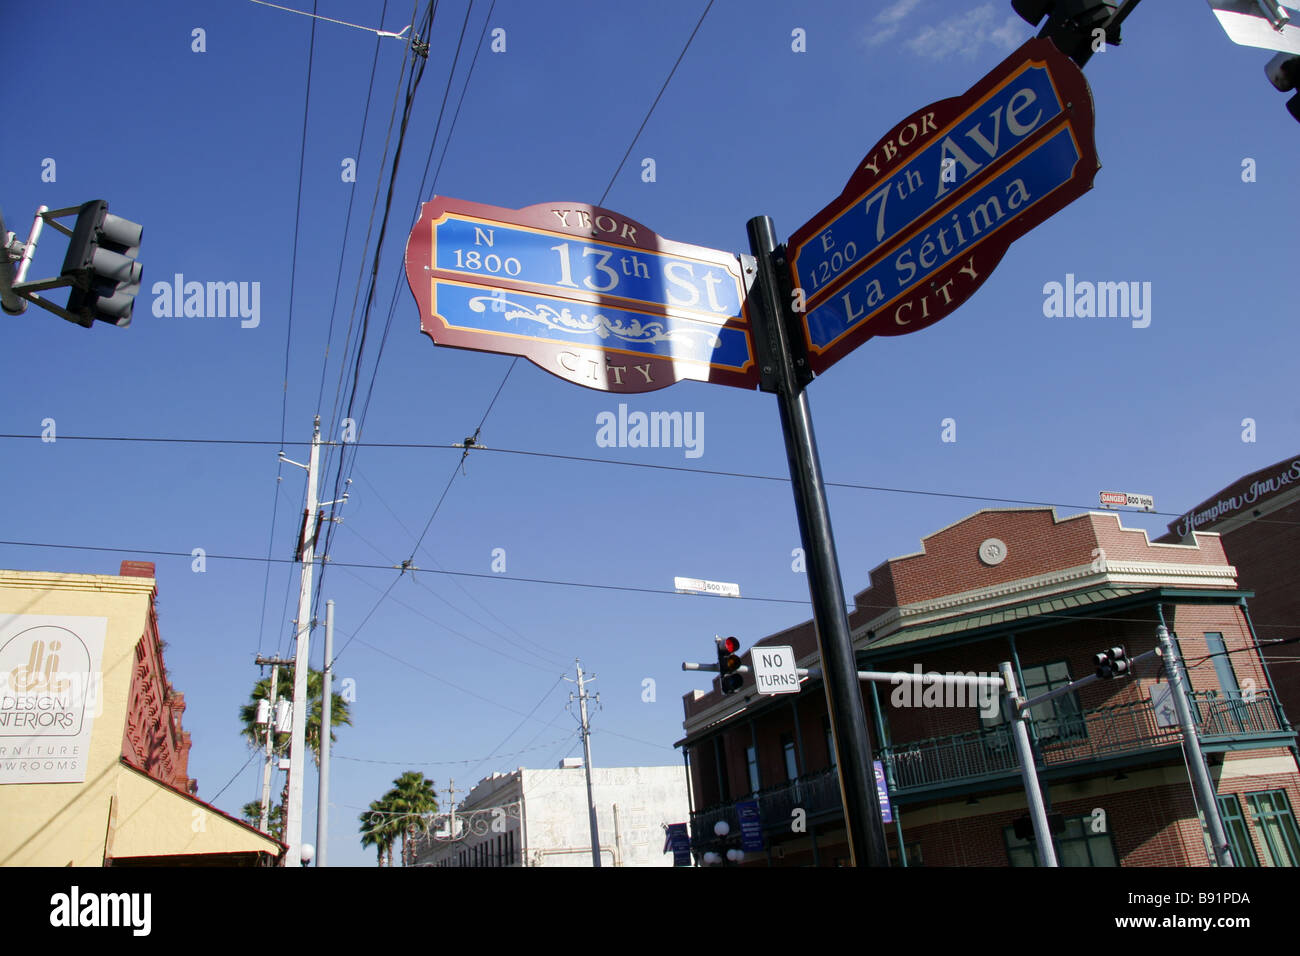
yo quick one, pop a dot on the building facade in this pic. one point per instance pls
(93, 756)
(1045, 594)
(1258, 519)
(541, 818)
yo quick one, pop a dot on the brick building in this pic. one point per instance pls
(1046, 594)
(1258, 520)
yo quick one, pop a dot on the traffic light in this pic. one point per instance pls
(1284, 73)
(101, 265)
(1112, 663)
(729, 664)
(1071, 23)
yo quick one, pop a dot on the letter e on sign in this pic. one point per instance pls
(774, 670)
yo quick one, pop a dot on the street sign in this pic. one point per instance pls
(774, 670)
(1122, 499)
(700, 586)
(882, 793)
(583, 292)
(933, 206)
(1247, 24)
(751, 826)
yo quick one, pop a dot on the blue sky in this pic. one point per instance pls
(203, 149)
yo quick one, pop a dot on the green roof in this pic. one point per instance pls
(1072, 604)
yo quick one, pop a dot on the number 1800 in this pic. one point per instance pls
(489, 263)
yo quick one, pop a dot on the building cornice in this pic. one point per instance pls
(59, 581)
(1094, 574)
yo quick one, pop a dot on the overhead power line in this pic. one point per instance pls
(714, 472)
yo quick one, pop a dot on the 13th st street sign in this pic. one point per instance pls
(932, 208)
(582, 292)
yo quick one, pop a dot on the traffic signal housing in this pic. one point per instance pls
(1071, 23)
(1284, 73)
(102, 267)
(1112, 663)
(729, 664)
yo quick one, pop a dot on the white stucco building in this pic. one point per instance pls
(540, 818)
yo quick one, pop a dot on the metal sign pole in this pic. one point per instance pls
(848, 716)
(1019, 716)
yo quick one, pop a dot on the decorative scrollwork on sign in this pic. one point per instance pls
(564, 320)
(473, 823)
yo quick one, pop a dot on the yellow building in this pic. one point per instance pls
(93, 758)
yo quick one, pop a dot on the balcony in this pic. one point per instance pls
(1092, 735)
(961, 761)
(816, 793)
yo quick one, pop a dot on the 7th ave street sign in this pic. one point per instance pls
(933, 206)
(582, 292)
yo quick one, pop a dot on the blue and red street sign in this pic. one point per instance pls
(933, 206)
(583, 292)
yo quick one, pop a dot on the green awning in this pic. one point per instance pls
(1074, 604)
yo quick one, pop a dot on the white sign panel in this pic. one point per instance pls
(51, 676)
(1245, 23)
(699, 586)
(1162, 702)
(774, 670)
(1122, 499)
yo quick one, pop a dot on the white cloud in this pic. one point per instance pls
(963, 34)
(889, 19)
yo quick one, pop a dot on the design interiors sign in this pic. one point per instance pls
(50, 693)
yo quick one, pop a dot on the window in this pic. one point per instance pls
(1222, 664)
(1077, 845)
(830, 741)
(1277, 829)
(1054, 720)
(1243, 854)
(751, 756)
(913, 851)
(791, 763)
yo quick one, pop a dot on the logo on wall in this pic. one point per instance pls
(50, 683)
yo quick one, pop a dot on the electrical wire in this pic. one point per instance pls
(784, 479)
(658, 96)
(547, 581)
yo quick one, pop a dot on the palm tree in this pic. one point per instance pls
(377, 830)
(256, 733)
(411, 805)
(274, 820)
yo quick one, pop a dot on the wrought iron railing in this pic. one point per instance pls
(1071, 738)
(1075, 738)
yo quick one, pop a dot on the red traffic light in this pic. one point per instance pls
(729, 664)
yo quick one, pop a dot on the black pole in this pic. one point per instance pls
(848, 717)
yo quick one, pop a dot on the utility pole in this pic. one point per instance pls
(1202, 786)
(586, 761)
(298, 740)
(327, 700)
(275, 663)
(1019, 718)
(451, 802)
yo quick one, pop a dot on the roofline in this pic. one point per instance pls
(1056, 519)
(207, 806)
